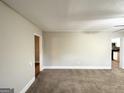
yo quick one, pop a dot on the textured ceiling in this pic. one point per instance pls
(72, 15)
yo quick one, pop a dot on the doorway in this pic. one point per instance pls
(115, 56)
(37, 55)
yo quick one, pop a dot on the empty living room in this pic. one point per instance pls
(61, 46)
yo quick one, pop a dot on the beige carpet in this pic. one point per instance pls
(79, 81)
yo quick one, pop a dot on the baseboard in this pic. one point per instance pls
(41, 68)
(28, 85)
(122, 67)
(76, 67)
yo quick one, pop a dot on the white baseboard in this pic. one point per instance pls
(122, 67)
(76, 67)
(41, 69)
(28, 85)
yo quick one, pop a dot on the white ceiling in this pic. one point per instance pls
(72, 15)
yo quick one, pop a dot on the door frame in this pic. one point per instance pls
(41, 49)
(120, 54)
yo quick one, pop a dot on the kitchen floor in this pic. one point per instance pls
(115, 64)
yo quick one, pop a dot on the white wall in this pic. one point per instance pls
(117, 41)
(77, 50)
(122, 52)
(16, 49)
